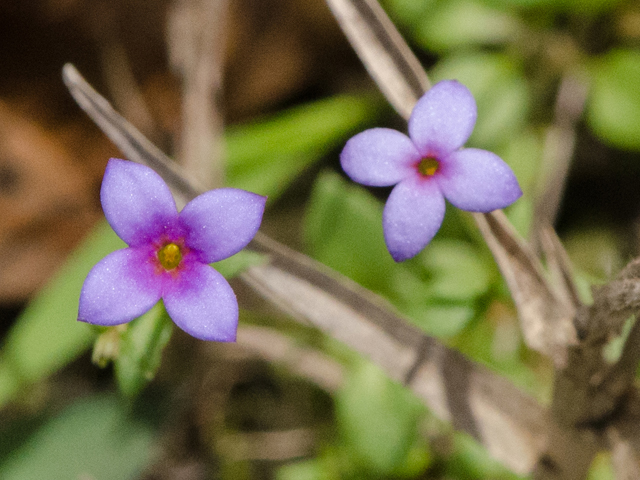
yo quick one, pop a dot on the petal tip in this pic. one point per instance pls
(219, 223)
(378, 157)
(443, 118)
(229, 338)
(411, 218)
(216, 336)
(403, 254)
(203, 305)
(400, 256)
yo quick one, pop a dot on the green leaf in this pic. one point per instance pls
(458, 272)
(266, 156)
(613, 110)
(47, 336)
(378, 419)
(141, 347)
(458, 23)
(94, 438)
(9, 384)
(343, 229)
(442, 321)
(500, 89)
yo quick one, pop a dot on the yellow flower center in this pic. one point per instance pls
(428, 166)
(169, 256)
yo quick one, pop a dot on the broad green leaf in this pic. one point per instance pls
(377, 419)
(141, 347)
(46, 336)
(415, 298)
(458, 272)
(9, 383)
(343, 229)
(500, 90)
(442, 321)
(266, 156)
(95, 438)
(458, 23)
(613, 110)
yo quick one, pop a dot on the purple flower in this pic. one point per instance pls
(429, 166)
(169, 253)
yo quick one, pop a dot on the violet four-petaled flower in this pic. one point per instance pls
(429, 166)
(169, 253)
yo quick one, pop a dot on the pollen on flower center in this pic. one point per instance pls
(169, 256)
(428, 166)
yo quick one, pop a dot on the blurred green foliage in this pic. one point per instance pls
(94, 438)
(266, 156)
(47, 336)
(512, 54)
(614, 107)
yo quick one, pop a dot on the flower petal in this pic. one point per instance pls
(477, 181)
(443, 119)
(119, 288)
(379, 157)
(412, 216)
(202, 303)
(136, 201)
(221, 222)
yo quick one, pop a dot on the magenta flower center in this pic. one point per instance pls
(170, 256)
(428, 166)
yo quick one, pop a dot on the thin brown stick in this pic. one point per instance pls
(383, 51)
(559, 266)
(196, 46)
(547, 321)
